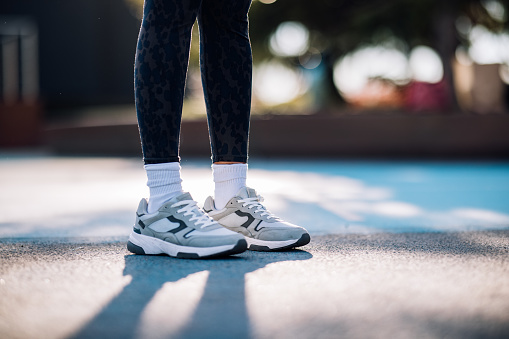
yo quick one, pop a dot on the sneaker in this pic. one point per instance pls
(180, 229)
(263, 231)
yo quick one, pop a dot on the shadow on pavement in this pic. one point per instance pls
(220, 313)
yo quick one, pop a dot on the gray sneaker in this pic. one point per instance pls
(180, 229)
(263, 231)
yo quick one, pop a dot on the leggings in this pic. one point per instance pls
(161, 63)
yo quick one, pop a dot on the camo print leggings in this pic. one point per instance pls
(160, 73)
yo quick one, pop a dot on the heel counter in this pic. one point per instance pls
(208, 206)
(141, 211)
(142, 206)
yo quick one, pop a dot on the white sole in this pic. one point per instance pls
(256, 244)
(154, 246)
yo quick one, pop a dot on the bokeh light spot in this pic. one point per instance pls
(352, 73)
(495, 9)
(290, 39)
(311, 59)
(275, 83)
(487, 47)
(426, 65)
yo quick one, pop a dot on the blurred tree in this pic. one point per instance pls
(339, 26)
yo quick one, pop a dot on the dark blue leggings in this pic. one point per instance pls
(226, 68)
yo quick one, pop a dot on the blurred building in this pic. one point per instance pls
(61, 54)
(85, 50)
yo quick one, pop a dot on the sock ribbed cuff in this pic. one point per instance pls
(163, 174)
(228, 179)
(229, 172)
(164, 183)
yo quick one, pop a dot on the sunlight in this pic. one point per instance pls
(487, 47)
(290, 39)
(98, 197)
(425, 65)
(352, 72)
(495, 9)
(481, 215)
(76, 194)
(275, 83)
(396, 209)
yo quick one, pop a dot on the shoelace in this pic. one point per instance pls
(198, 216)
(256, 203)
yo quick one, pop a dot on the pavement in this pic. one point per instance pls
(399, 250)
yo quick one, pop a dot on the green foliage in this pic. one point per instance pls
(340, 25)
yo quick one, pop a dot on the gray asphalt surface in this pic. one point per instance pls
(410, 285)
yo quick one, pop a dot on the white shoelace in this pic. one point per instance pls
(256, 203)
(198, 216)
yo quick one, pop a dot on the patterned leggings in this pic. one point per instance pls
(226, 68)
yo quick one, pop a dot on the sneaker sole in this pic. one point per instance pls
(142, 244)
(269, 246)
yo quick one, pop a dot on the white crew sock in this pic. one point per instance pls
(228, 179)
(164, 183)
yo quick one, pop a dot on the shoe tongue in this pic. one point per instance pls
(246, 192)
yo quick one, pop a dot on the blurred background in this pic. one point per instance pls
(332, 78)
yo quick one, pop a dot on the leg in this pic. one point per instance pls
(160, 72)
(173, 224)
(226, 66)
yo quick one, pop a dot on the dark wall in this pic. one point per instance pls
(86, 49)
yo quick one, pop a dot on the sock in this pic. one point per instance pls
(164, 183)
(228, 179)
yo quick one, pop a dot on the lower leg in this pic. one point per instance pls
(160, 71)
(226, 66)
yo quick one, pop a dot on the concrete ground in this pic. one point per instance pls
(399, 250)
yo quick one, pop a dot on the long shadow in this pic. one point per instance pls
(221, 312)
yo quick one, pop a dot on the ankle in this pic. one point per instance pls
(164, 183)
(228, 179)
